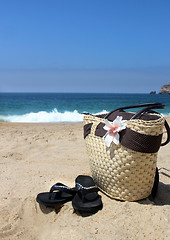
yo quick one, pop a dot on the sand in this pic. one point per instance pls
(35, 156)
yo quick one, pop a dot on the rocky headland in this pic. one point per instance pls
(165, 89)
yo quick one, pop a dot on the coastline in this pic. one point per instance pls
(34, 156)
(63, 107)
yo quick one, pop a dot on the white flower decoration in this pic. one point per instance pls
(113, 130)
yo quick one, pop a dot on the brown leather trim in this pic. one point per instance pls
(87, 129)
(100, 132)
(133, 140)
(140, 142)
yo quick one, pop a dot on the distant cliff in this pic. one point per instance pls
(165, 89)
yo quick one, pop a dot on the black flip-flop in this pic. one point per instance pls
(52, 199)
(86, 198)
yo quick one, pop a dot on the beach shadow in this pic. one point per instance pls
(47, 210)
(164, 169)
(164, 173)
(162, 197)
(87, 214)
(163, 192)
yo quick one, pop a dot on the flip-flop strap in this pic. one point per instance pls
(62, 188)
(85, 190)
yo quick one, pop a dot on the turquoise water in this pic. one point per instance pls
(67, 107)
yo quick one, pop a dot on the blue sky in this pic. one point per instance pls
(84, 45)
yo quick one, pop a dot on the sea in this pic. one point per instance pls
(69, 107)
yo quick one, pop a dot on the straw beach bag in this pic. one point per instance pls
(124, 168)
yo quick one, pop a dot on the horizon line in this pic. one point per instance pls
(156, 93)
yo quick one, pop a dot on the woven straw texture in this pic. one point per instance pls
(119, 172)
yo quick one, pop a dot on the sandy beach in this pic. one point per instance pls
(35, 156)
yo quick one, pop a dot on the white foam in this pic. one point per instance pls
(53, 116)
(43, 116)
(166, 115)
(102, 112)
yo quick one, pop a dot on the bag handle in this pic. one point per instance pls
(168, 134)
(144, 110)
(148, 106)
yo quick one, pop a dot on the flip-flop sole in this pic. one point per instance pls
(58, 198)
(87, 206)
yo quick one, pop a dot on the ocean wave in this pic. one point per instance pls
(47, 117)
(166, 114)
(43, 117)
